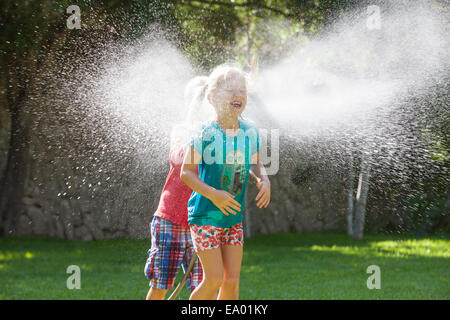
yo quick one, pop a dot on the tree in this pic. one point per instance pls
(32, 34)
(361, 200)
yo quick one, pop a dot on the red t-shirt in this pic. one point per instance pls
(175, 195)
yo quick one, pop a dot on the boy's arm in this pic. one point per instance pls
(221, 199)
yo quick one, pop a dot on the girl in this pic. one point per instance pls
(224, 150)
(171, 239)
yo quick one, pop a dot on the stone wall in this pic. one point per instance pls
(85, 184)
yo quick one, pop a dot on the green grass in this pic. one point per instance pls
(278, 266)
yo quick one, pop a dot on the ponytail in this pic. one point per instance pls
(195, 112)
(194, 95)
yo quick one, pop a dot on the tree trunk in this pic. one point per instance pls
(361, 200)
(21, 76)
(14, 179)
(350, 197)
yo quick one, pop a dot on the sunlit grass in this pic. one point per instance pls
(401, 248)
(279, 266)
(15, 255)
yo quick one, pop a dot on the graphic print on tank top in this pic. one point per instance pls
(233, 173)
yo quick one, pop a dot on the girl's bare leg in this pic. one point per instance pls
(212, 275)
(232, 260)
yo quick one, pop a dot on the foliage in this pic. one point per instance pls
(209, 32)
(237, 30)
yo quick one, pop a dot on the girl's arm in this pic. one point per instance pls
(221, 199)
(258, 172)
(262, 182)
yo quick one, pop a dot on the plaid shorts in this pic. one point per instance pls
(171, 247)
(211, 237)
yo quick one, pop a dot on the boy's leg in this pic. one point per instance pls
(195, 277)
(156, 294)
(232, 260)
(165, 257)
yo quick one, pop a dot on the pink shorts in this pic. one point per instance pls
(211, 237)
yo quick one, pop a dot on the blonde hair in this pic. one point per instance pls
(194, 94)
(200, 87)
(219, 75)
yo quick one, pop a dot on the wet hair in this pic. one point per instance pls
(194, 94)
(219, 75)
(194, 111)
(200, 87)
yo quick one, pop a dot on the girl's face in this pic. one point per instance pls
(230, 96)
